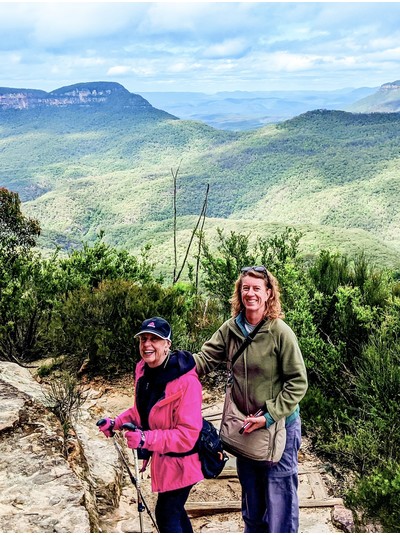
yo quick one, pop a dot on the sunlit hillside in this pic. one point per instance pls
(79, 170)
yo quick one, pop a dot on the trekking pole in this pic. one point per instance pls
(142, 505)
(133, 427)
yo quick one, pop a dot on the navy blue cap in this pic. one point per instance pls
(158, 326)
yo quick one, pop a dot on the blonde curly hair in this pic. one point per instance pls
(273, 308)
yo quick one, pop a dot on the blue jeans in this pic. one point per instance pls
(171, 516)
(270, 502)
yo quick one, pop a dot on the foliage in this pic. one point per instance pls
(97, 326)
(199, 318)
(18, 233)
(65, 397)
(378, 496)
(26, 283)
(86, 169)
(48, 368)
(351, 407)
(28, 287)
(222, 267)
(222, 271)
(95, 263)
(348, 301)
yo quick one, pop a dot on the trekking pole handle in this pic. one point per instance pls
(129, 426)
(132, 427)
(101, 422)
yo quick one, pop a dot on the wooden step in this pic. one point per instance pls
(209, 508)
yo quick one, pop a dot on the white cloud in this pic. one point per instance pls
(284, 61)
(56, 24)
(118, 69)
(230, 48)
(183, 67)
(176, 17)
(200, 45)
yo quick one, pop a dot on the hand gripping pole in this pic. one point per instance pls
(142, 505)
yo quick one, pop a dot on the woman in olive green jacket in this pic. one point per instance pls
(269, 374)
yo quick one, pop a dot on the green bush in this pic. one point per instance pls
(97, 326)
(379, 496)
(28, 290)
(98, 262)
(65, 397)
(357, 445)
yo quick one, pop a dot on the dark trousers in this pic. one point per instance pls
(171, 516)
(269, 493)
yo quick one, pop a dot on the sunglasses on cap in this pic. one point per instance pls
(257, 269)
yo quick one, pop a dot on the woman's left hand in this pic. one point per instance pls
(133, 439)
(255, 422)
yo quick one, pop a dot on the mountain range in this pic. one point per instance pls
(94, 156)
(235, 110)
(245, 110)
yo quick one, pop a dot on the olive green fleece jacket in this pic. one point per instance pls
(269, 374)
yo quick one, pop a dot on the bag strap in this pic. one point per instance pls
(247, 342)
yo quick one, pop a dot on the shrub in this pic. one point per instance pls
(28, 289)
(64, 398)
(98, 326)
(379, 496)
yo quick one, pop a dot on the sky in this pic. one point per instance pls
(200, 46)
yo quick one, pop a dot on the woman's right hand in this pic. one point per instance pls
(107, 426)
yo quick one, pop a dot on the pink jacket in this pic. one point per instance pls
(175, 422)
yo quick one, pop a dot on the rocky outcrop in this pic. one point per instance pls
(83, 95)
(390, 86)
(40, 489)
(385, 100)
(343, 519)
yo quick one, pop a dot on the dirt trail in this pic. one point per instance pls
(314, 487)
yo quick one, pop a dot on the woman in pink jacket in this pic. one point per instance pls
(168, 397)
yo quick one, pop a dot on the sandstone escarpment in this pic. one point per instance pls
(42, 491)
(83, 95)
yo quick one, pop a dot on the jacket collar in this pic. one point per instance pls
(178, 363)
(239, 322)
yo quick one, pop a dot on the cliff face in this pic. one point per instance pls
(42, 489)
(385, 100)
(81, 95)
(390, 86)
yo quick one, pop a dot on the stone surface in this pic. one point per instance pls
(103, 466)
(343, 519)
(39, 492)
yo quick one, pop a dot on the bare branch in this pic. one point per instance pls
(203, 210)
(174, 176)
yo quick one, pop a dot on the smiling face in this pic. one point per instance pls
(153, 349)
(254, 295)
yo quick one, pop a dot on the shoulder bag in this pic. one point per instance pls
(265, 444)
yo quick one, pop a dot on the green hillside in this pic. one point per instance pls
(78, 170)
(159, 234)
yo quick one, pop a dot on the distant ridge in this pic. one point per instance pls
(385, 100)
(82, 95)
(227, 110)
